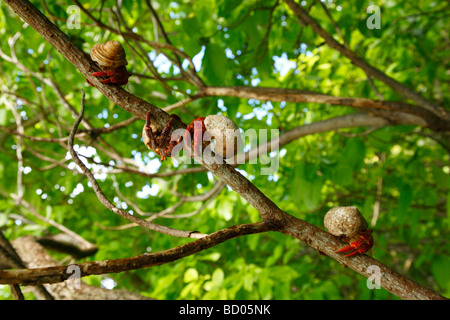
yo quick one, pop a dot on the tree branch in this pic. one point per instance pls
(58, 273)
(34, 256)
(304, 96)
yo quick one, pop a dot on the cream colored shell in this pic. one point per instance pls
(110, 54)
(226, 134)
(344, 221)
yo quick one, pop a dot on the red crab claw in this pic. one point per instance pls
(363, 244)
(197, 128)
(117, 76)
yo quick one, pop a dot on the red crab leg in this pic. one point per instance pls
(165, 133)
(198, 128)
(117, 76)
(117, 79)
(345, 249)
(163, 155)
(351, 251)
(106, 73)
(357, 247)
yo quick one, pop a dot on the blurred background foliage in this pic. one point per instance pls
(240, 43)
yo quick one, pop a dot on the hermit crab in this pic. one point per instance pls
(348, 224)
(160, 142)
(220, 128)
(111, 58)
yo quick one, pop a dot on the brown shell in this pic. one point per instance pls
(345, 221)
(226, 133)
(110, 54)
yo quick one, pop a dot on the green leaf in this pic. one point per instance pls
(440, 272)
(190, 275)
(214, 64)
(353, 153)
(228, 8)
(278, 251)
(265, 287)
(217, 277)
(307, 186)
(406, 197)
(442, 179)
(3, 119)
(248, 281)
(448, 209)
(225, 209)
(343, 174)
(3, 219)
(213, 256)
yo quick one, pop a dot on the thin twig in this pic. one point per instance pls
(361, 63)
(35, 213)
(102, 198)
(168, 212)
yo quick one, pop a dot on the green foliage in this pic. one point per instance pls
(241, 43)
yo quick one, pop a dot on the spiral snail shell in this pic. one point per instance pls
(109, 55)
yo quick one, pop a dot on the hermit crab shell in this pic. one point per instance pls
(110, 54)
(145, 138)
(345, 221)
(226, 133)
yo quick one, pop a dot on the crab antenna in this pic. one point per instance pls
(395, 260)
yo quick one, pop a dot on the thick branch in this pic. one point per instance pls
(58, 273)
(313, 236)
(343, 122)
(304, 96)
